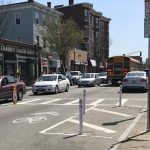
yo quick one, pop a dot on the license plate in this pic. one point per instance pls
(133, 81)
(40, 89)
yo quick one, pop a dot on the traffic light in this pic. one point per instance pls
(86, 39)
(140, 53)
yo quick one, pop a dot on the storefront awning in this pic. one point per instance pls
(93, 62)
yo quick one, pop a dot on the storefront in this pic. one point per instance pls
(18, 59)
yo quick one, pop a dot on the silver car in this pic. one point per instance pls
(89, 79)
(135, 80)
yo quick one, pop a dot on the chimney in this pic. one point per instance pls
(49, 4)
(30, 1)
(71, 2)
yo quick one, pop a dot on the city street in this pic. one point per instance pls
(52, 121)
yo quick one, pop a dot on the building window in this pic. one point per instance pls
(44, 43)
(85, 13)
(37, 18)
(37, 40)
(97, 22)
(18, 38)
(18, 19)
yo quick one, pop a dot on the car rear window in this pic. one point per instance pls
(136, 74)
(11, 79)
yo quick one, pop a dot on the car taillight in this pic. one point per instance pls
(143, 80)
(125, 80)
(125, 70)
(109, 70)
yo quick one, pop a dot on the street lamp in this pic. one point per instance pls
(36, 46)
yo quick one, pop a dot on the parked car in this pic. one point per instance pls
(103, 77)
(75, 76)
(7, 84)
(89, 79)
(135, 80)
(51, 83)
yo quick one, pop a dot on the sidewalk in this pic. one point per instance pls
(138, 137)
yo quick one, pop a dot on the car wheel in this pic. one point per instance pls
(99, 84)
(20, 95)
(79, 85)
(56, 89)
(67, 88)
(35, 93)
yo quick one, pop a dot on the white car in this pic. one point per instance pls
(135, 80)
(89, 79)
(103, 77)
(51, 83)
(75, 76)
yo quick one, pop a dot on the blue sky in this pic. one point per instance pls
(126, 25)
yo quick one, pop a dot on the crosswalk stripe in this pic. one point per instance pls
(47, 102)
(93, 126)
(34, 100)
(96, 102)
(69, 103)
(112, 112)
(122, 102)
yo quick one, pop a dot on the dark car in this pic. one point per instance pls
(7, 84)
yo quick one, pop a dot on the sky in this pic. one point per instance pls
(126, 26)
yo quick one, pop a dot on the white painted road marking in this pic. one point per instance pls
(55, 100)
(69, 103)
(96, 102)
(83, 135)
(122, 102)
(112, 112)
(34, 100)
(93, 126)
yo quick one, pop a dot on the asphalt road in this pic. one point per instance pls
(52, 121)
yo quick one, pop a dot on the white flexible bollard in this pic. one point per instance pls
(84, 99)
(80, 116)
(120, 96)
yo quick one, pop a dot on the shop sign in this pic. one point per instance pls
(18, 50)
(44, 62)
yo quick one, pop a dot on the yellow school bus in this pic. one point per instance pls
(119, 66)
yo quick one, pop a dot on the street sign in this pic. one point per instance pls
(147, 8)
(146, 27)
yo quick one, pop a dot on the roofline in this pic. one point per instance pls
(33, 4)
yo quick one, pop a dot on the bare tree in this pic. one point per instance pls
(102, 46)
(62, 37)
(4, 16)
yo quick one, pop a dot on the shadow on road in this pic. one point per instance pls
(116, 122)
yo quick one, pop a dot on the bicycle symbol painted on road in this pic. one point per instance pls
(35, 118)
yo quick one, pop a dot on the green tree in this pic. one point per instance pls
(62, 37)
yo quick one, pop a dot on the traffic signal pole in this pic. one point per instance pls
(148, 100)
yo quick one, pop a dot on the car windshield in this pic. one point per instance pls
(102, 74)
(87, 76)
(139, 74)
(74, 73)
(47, 78)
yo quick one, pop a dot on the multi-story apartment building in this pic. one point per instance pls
(24, 25)
(96, 30)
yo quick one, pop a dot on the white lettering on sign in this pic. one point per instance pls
(17, 50)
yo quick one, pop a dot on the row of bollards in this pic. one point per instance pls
(82, 108)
